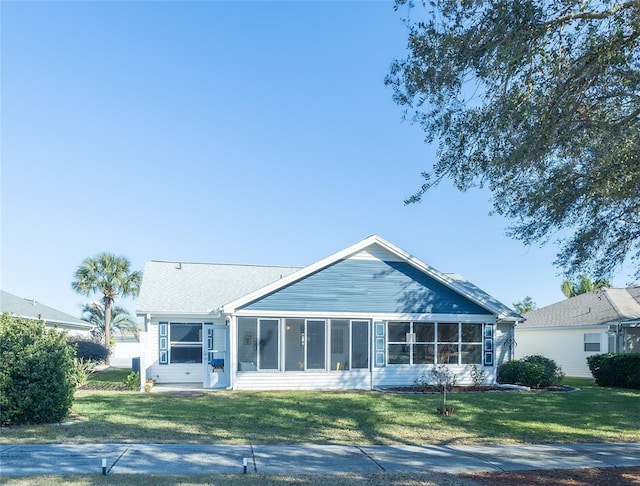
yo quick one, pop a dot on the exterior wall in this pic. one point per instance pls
(169, 373)
(564, 346)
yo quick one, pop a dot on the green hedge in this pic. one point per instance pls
(533, 371)
(621, 370)
(37, 373)
(89, 350)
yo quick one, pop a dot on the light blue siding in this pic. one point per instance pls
(367, 286)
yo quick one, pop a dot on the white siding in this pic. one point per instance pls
(375, 252)
(564, 346)
(406, 375)
(395, 375)
(170, 373)
(352, 380)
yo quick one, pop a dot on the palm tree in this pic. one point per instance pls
(109, 275)
(582, 285)
(121, 319)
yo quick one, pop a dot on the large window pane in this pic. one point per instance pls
(315, 341)
(423, 354)
(447, 332)
(471, 354)
(360, 344)
(339, 344)
(447, 353)
(186, 333)
(424, 331)
(247, 344)
(294, 345)
(471, 333)
(186, 354)
(185, 343)
(398, 354)
(268, 344)
(398, 332)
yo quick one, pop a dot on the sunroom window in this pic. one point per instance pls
(430, 343)
(257, 344)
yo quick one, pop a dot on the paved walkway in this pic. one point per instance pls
(20, 460)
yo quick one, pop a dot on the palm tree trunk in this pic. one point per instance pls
(107, 323)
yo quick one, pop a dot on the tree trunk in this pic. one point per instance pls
(107, 323)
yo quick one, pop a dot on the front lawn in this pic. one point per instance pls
(592, 414)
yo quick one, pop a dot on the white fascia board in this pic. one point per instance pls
(583, 327)
(486, 318)
(179, 315)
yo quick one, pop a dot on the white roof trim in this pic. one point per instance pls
(230, 307)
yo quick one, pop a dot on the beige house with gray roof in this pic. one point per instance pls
(602, 321)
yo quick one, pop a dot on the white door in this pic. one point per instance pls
(216, 357)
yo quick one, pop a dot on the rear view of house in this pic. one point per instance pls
(368, 316)
(601, 321)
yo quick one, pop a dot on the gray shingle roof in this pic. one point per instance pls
(200, 288)
(602, 306)
(32, 309)
(471, 289)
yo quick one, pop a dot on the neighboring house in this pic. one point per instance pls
(53, 318)
(601, 321)
(368, 316)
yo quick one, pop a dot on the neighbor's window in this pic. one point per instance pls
(185, 343)
(592, 341)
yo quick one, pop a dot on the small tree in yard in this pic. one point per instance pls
(37, 373)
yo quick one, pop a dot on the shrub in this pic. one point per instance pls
(510, 372)
(621, 370)
(552, 373)
(37, 374)
(133, 381)
(84, 369)
(88, 350)
(533, 371)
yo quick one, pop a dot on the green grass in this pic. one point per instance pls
(592, 414)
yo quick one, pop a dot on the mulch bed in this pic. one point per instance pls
(472, 388)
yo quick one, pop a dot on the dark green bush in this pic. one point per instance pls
(88, 350)
(552, 373)
(510, 372)
(532, 371)
(621, 370)
(37, 373)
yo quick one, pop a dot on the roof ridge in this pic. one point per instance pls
(224, 264)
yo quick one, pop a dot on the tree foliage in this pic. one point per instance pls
(108, 275)
(121, 319)
(538, 100)
(582, 285)
(525, 305)
(37, 372)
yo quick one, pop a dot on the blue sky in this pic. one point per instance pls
(231, 132)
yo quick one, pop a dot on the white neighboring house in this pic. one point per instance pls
(53, 318)
(368, 316)
(601, 321)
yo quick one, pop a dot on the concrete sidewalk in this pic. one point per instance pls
(23, 460)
